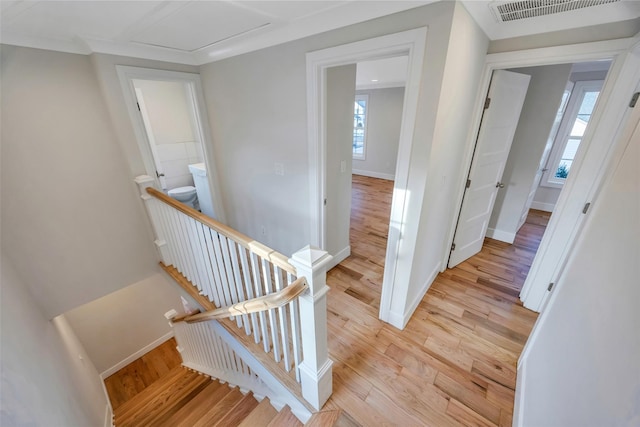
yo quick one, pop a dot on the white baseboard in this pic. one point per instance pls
(503, 236)
(372, 174)
(547, 207)
(146, 349)
(339, 257)
(108, 417)
(425, 287)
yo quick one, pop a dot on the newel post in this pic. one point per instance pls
(144, 181)
(315, 368)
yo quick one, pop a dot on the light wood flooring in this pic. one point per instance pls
(455, 362)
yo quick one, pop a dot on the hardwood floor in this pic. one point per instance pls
(455, 362)
(141, 373)
(360, 275)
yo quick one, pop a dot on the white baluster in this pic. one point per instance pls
(257, 281)
(224, 285)
(218, 297)
(208, 286)
(248, 287)
(273, 325)
(284, 330)
(224, 247)
(295, 330)
(315, 369)
(233, 252)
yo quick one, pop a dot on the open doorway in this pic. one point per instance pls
(362, 151)
(412, 44)
(169, 118)
(554, 117)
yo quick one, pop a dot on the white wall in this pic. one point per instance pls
(532, 134)
(257, 103)
(44, 381)
(580, 366)
(115, 327)
(383, 133)
(341, 87)
(72, 223)
(169, 109)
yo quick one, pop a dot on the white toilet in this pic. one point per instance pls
(186, 195)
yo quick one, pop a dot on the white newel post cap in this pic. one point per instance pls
(311, 261)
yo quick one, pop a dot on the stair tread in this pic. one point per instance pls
(285, 418)
(220, 409)
(199, 405)
(166, 402)
(148, 393)
(324, 418)
(239, 412)
(260, 416)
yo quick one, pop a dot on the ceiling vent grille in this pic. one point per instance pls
(513, 11)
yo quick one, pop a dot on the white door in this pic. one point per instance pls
(499, 122)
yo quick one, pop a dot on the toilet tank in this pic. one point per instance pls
(201, 182)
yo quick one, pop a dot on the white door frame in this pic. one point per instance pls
(411, 43)
(126, 76)
(588, 172)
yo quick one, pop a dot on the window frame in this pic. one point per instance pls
(363, 156)
(580, 88)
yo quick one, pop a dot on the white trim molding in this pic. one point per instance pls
(373, 174)
(503, 236)
(411, 43)
(138, 354)
(547, 207)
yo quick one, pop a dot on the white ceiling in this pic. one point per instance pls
(381, 73)
(197, 32)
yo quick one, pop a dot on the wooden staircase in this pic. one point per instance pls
(188, 398)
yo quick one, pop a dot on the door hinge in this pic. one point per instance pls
(586, 208)
(138, 105)
(487, 102)
(634, 99)
(468, 183)
(453, 247)
(550, 287)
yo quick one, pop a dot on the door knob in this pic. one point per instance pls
(499, 185)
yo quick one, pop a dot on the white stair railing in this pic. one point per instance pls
(228, 267)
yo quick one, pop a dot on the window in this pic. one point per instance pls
(572, 127)
(360, 126)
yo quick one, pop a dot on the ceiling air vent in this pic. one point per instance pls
(515, 10)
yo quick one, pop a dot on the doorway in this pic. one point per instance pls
(583, 181)
(410, 43)
(169, 117)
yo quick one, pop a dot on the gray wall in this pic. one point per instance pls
(108, 320)
(341, 87)
(72, 223)
(611, 31)
(538, 114)
(257, 103)
(383, 133)
(581, 366)
(44, 382)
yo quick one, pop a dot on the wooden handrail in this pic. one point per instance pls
(254, 305)
(254, 246)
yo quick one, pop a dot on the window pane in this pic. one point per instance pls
(359, 118)
(571, 148)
